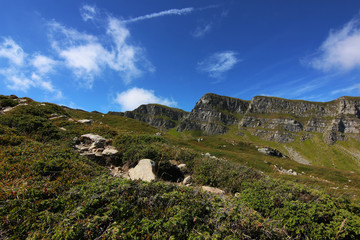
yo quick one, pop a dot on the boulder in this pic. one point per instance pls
(213, 190)
(95, 140)
(87, 121)
(144, 170)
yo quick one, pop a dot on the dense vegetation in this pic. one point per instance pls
(49, 191)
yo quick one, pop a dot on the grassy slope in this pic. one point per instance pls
(48, 190)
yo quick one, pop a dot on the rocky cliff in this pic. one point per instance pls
(213, 114)
(270, 118)
(156, 115)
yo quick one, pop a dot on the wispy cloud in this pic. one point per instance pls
(201, 30)
(348, 90)
(341, 49)
(12, 51)
(26, 71)
(88, 12)
(43, 64)
(219, 63)
(134, 97)
(182, 11)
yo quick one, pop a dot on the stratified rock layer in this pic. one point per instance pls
(269, 118)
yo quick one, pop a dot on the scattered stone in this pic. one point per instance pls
(158, 134)
(182, 167)
(200, 139)
(187, 180)
(86, 121)
(282, 170)
(110, 150)
(213, 190)
(118, 172)
(271, 152)
(98, 149)
(95, 140)
(63, 129)
(144, 170)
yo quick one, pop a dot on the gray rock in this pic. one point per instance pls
(144, 170)
(156, 115)
(96, 140)
(271, 152)
(97, 149)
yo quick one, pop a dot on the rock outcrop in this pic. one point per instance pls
(156, 115)
(213, 114)
(97, 149)
(144, 170)
(269, 118)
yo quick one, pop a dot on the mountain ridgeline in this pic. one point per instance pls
(269, 118)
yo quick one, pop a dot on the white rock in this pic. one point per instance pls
(213, 190)
(110, 151)
(87, 121)
(144, 170)
(187, 180)
(97, 141)
(182, 166)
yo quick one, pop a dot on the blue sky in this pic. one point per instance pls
(116, 55)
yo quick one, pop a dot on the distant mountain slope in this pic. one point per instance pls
(270, 118)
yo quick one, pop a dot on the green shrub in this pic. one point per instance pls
(8, 103)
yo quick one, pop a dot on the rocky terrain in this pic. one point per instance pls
(156, 115)
(71, 174)
(270, 118)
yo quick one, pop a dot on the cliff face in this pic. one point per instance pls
(277, 119)
(270, 118)
(156, 115)
(213, 114)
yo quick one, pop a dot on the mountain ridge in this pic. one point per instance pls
(271, 118)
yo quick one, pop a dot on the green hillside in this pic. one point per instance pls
(50, 191)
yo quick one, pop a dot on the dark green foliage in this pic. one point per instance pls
(49, 191)
(302, 212)
(32, 120)
(121, 209)
(8, 103)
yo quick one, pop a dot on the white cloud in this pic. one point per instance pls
(219, 63)
(341, 49)
(347, 90)
(12, 51)
(24, 71)
(85, 59)
(16, 81)
(88, 12)
(182, 11)
(87, 55)
(135, 97)
(200, 31)
(43, 64)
